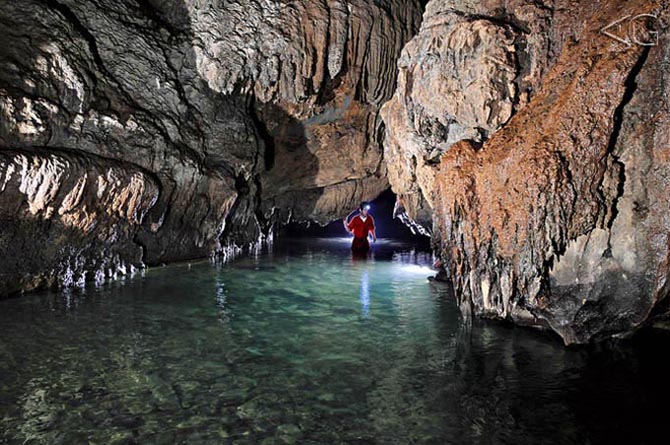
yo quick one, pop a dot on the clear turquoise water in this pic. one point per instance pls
(305, 345)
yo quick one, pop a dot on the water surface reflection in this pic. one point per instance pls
(304, 345)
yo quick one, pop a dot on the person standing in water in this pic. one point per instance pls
(361, 226)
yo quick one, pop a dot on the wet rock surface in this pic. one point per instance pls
(70, 206)
(550, 208)
(241, 114)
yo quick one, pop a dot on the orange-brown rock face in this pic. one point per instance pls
(461, 78)
(556, 215)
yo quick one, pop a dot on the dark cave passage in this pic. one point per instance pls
(382, 208)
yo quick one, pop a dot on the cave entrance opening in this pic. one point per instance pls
(388, 228)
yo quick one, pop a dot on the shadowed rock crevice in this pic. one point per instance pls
(617, 124)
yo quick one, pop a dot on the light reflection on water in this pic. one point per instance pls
(305, 345)
(365, 294)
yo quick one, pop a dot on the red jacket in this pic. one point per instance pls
(361, 228)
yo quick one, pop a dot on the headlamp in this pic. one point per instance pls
(367, 207)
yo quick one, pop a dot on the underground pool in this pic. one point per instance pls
(303, 344)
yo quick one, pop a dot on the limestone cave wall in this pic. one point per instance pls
(142, 131)
(536, 148)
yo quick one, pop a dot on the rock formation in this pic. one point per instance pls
(143, 131)
(543, 162)
(71, 206)
(532, 145)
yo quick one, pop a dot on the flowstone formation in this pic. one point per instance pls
(538, 147)
(144, 131)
